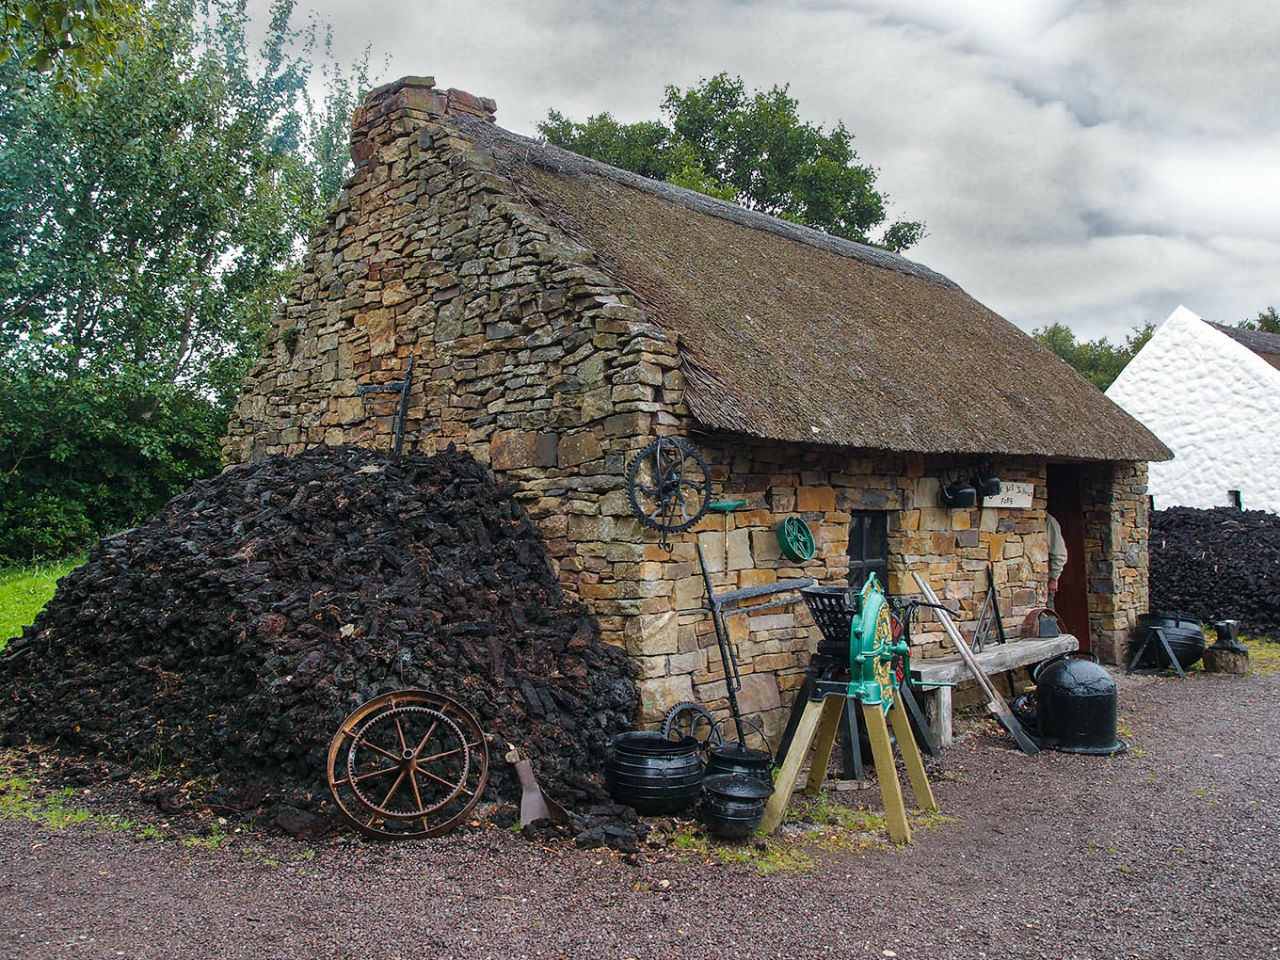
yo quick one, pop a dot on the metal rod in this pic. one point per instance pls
(726, 657)
(763, 590)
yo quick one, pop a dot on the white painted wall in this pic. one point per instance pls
(1216, 404)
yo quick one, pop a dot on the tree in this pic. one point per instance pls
(147, 230)
(1098, 361)
(71, 38)
(1268, 321)
(751, 148)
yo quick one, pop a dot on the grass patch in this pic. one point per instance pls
(214, 841)
(21, 799)
(812, 826)
(763, 855)
(1264, 655)
(25, 590)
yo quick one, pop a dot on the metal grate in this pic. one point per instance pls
(833, 609)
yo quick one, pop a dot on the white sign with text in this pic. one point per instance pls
(1013, 496)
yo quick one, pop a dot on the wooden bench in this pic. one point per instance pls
(993, 659)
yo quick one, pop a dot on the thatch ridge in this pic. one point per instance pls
(508, 148)
(1266, 345)
(790, 334)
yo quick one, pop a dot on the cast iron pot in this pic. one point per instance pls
(733, 804)
(1076, 705)
(737, 758)
(1185, 636)
(655, 775)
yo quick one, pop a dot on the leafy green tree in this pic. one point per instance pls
(147, 230)
(73, 39)
(752, 148)
(1098, 361)
(1268, 321)
(646, 148)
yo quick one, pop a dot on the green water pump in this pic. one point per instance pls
(872, 648)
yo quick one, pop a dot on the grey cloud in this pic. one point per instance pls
(1087, 162)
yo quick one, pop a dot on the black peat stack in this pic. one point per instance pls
(235, 629)
(1217, 564)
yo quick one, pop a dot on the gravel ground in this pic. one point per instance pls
(1170, 851)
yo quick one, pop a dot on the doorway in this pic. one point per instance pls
(1072, 601)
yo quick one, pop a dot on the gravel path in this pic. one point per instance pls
(1170, 851)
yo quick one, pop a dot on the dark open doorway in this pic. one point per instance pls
(1072, 602)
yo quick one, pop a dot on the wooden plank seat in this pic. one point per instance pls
(994, 659)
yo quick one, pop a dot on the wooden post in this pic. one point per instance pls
(828, 728)
(938, 708)
(895, 811)
(790, 771)
(911, 758)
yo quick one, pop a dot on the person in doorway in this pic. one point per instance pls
(1057, 554)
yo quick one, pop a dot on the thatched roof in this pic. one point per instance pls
(1265, 345)
(794, 335)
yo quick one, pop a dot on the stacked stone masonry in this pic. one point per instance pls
(536, 361)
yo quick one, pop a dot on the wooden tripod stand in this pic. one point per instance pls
(821, 721)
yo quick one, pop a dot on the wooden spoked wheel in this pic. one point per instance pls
(408, 765)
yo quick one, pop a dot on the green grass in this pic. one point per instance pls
(1264, 654)
(25, 590)
(815, 825)
(56, 809)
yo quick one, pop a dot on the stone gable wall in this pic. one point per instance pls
(532, 358)
(1116, 539)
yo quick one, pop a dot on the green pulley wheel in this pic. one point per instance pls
(796, 539)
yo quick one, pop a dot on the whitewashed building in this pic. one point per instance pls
(1212, 394)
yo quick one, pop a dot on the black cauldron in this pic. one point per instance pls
(737, 758)
(655, 775)
(1185, 636)
(1076, 705)
(733, 804)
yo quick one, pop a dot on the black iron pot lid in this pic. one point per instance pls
(737, 786)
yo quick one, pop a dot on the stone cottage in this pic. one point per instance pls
(561, 314)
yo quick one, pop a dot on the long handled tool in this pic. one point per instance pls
(995, 702)
(718, 603)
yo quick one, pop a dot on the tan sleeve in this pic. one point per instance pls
(1057, 547)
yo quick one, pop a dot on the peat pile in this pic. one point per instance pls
(235, 630)
(1217, 564)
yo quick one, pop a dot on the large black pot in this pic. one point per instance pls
(1185, 636)
(733, 804)
(653, 774)
(1076, 705)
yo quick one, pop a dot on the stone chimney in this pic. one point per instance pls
(403, 106)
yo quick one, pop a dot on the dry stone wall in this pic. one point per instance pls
(537, 362)
(1116, 519)
(527, 354)
(676, 651)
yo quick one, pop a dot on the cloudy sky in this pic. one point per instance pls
(1095, 163)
